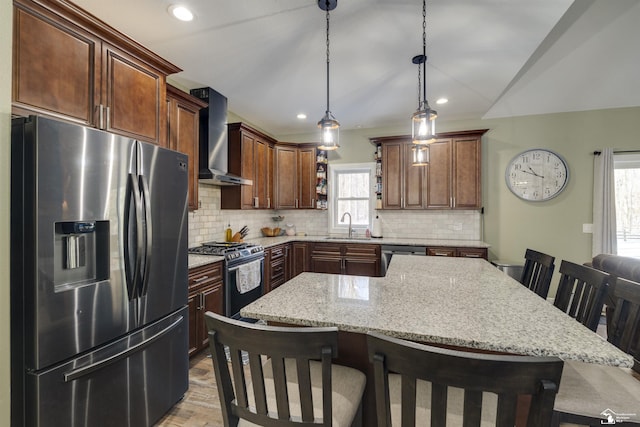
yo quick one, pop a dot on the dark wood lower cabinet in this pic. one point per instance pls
(276, 266)
(299, 259)
(206, 293)
(464, 252)
(350, 259)
(284, 262)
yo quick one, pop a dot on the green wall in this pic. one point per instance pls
(6, 14)
(510, 224)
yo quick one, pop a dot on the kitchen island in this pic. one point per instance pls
(459, 303)
(455, 302)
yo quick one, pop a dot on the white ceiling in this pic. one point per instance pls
(490, 58)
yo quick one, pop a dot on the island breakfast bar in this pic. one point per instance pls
(460, 303)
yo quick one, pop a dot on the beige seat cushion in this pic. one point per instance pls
(588, 389)
(455, 401)
(347, 384)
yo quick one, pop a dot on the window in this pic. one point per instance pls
(351, 191)
(627, 177)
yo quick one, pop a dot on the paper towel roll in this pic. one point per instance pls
(377, 227)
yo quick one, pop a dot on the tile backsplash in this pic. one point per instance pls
(209, 222)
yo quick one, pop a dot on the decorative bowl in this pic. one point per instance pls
(271, 232)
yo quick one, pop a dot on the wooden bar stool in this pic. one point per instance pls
(537, 272)
(293, 380)
(588, 390)
(415, 382)
(581, 293)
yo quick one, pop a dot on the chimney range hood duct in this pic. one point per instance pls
(214, 145)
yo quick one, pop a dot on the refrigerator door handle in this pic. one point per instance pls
(133, 226)
(86, 370)
(148, 234)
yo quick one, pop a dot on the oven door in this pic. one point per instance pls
(244, 283)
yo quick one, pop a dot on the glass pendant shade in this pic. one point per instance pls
(420, 155)
(423, 126)
(329, 126)
(329, 133)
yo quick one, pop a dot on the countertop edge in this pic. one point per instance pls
(268, 242)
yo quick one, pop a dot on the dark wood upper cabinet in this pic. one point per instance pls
(295, 177)
(286, 159)
(251, 157)
(392, 174)
(55, 67)
(70, 65)
(439, 175)
(466, 174)
(402, 184)
(307, 177)
(451, 180)
(454, 171)
(183, 115)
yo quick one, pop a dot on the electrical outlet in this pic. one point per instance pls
(587, 228)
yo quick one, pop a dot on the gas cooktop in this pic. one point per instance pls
(230, 250)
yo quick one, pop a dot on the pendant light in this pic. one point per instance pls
(329, 126)
(423, 121)
(420, 154)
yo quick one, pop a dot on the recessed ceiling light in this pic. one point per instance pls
(181, 12)
(442, 101)
(301, 116)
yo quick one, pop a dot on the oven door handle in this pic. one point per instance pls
(236, 267)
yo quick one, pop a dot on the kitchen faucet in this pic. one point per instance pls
(342, 220)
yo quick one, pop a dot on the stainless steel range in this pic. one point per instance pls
(243, 272)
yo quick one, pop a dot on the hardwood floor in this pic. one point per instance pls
(200, 406)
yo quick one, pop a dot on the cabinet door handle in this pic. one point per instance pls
(202, 301)
(296, 204)
(441, 254)
(100, 116)
(108, 118)
(269, 202)
(256, 202)
(472, 255)
(200, 279)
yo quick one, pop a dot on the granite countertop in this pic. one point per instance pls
(455, 301)
(200, 260)
(272, 241)
(267, 242)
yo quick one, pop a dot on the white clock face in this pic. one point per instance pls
(537, 175)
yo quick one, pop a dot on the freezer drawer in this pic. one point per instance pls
(130, 382)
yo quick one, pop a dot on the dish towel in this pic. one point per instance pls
(249, 276)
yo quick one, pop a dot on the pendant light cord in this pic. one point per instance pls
(328, 109)
(424, 51)
(419, 87)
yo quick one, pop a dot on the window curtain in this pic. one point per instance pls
(604, 204)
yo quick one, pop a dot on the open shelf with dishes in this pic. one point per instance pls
(321, 179)
(377, 155)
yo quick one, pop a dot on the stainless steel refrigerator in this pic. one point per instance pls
(98, 277)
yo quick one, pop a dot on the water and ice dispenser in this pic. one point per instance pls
(81, 253)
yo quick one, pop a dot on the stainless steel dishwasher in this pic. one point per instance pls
(389, 250)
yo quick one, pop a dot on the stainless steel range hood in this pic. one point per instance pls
(214, 145)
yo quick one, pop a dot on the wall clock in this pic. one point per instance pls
(537, 175)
